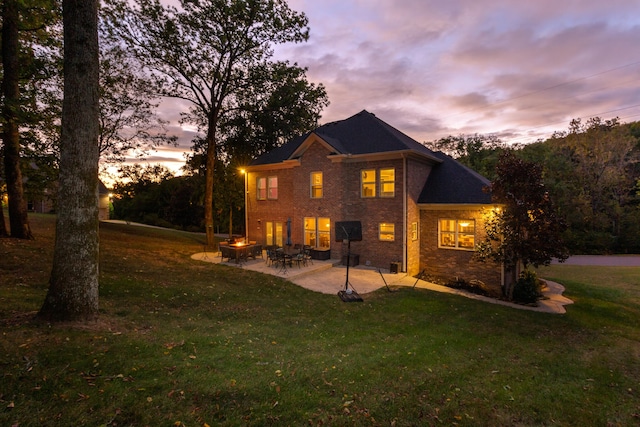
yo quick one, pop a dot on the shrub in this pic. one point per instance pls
(528, 288)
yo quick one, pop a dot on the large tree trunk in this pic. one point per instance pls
(209, 174)
(18, 220)
(73, 286)
(3, 228)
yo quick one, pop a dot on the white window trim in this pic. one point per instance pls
(381, 193)
(380, 232)
(311, 184)
(266, 191)
(456, 234)
(270, 187)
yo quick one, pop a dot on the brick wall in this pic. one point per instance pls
(341, 201)
(451, 263)
(418, 172)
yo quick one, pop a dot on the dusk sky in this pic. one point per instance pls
(432, 68)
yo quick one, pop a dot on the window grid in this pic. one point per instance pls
(387, 182)
(457, 234)
(272, 188)
(386, 232)
(261, 186)
(316, 185)
(368, 183)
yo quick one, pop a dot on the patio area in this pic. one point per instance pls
(329, 277)
(325, 276)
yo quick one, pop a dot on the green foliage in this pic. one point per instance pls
(528, 288)
(591, 172)
(478, 152)
(527, 229)
(205, 53)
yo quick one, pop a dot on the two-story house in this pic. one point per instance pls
(419, 209)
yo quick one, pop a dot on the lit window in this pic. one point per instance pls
(272, 187)
(457, 234)
(387, 232)
(310, 231)
(368, 179)
(324, 232)
(317, 232)
(387, 182)
(316, 185)
(261, 185)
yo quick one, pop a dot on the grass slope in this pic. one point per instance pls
(181, 342)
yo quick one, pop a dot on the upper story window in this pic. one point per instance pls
(316, 185)
(272, 187)
(381, 180)
(261, 185)
(457, 234)
(368, 180)
(387, 182)
(267, 188)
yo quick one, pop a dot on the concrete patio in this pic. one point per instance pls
(329, 277)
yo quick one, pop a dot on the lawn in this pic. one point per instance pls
(185, 343)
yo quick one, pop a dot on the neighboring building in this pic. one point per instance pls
(45, 202)
(419, 209)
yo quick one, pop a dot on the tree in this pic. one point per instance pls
(28, 67)
(127, 108)
(479, 152)
(590, 171)
(18, 220)
(138, 193)
(202, 53)
(279, 105)
(73, 285)
(3, 227)
(527, 229)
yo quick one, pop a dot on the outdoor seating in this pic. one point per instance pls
(306, 250)
(255, 251)
(226, 252)
(272, 256)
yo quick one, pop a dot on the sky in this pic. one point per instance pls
(516, 69)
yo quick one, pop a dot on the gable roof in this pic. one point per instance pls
(451, 182)
(360, 134)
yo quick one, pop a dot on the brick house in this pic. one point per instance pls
(419, 209)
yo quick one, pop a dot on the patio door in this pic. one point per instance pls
(274, 233)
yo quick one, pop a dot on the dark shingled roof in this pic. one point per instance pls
(451, 182)
(362, 133)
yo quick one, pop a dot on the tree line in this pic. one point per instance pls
(591, 171)
(214, 56)
(117, 63)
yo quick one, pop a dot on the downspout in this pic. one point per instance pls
(404, 213)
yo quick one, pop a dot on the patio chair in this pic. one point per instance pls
(306, 250)
(273, 258)
(256, 251)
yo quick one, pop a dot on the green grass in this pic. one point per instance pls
(180, 342)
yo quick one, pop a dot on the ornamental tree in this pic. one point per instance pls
(527, 229)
